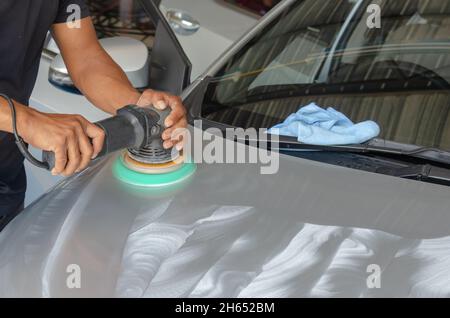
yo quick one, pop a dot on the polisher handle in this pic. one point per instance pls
(118, 135)
(127, 129)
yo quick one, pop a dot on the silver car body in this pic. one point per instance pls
(312, 229)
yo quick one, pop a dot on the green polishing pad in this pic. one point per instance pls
(126, 175)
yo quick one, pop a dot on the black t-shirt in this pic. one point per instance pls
(23, 27)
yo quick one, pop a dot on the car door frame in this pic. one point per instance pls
(170, 68)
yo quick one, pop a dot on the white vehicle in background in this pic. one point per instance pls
(204, 28)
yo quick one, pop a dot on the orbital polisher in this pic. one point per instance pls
(145, 162)
(138, 129)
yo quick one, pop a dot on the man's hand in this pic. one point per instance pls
(74, 140)
(176, 120)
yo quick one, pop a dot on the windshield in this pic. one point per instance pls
(396, 73)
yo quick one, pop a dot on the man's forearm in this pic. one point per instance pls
(93, 71)
(6, 118)
(102, 81)
(73, 139)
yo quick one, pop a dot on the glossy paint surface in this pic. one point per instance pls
(312, 229)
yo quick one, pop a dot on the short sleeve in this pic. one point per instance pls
(70, 9)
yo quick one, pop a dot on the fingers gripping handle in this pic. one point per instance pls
(119, 134)
(126, 130)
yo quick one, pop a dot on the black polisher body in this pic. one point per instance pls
(138, 129)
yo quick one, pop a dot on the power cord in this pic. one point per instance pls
(19, 141)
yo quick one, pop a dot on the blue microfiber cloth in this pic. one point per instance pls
(314, 125)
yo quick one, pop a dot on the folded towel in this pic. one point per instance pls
(314, 125)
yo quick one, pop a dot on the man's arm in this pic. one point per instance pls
(66, 135)
(5, 115)
(92, 70)
(104, 83)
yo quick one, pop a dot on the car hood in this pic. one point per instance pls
(312, 229)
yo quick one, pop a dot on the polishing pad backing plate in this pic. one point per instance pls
(152, 168)
(125, 174)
